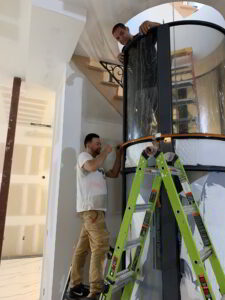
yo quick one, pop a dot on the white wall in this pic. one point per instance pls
(209, 14)
(28, 191)
(106, 122)
(50, 231)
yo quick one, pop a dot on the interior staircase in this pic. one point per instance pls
(102, 80)
(185, 10)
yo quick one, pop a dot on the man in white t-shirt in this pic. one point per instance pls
(91, 206)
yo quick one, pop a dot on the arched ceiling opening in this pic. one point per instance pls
(96, 39)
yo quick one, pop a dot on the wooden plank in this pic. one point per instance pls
(6, 173)
(182, 52)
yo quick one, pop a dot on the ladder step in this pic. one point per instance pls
(152, 171)
(177, 73)
(189, 209)
(202, 230)
(184, 101)
(205, 253)
(122, 279)
(123, 274)
(184, 66)
(182, 83)
(182, 120)
(143, 207)
(132, 244)
(174, 171)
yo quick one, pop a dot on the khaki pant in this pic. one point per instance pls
(95, 237)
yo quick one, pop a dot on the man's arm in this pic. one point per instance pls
(114, 172)
(92, 165)
(120, 57)
(147, 25)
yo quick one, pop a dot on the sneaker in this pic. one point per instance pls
(78, 291)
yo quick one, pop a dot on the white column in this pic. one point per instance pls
(51, 222)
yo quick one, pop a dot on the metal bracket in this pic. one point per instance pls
(115, 71)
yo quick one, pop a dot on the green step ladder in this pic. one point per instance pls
(167, 166)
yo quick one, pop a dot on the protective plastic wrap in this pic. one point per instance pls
(193, 152)
(198, 76)
(209, 191)
(133, 154)
(142, 91)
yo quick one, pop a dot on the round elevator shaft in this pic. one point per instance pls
(174, 84)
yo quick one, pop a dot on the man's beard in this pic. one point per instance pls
(97, 152)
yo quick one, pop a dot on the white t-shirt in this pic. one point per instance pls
(91, 186)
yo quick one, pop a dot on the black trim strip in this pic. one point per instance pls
(195, 22)
(165, 124)
(125, 98)
(187, 168)
(204, 168)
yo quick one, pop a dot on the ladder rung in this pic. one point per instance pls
(177, 73)
(122, 279)
(143, 207)
(185, 120)
(132, 244)
(184, 66)
(205, 253)
(154, 171)
(122, 273)
(189, 209)
(184, 101)
(174, 171)
(182, 83)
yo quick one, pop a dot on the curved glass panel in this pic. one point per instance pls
(142, 92)
(198, 76)
(197, 82)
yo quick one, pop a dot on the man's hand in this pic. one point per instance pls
(152, 150)
(119, 150)
(146, 26)
(114, 172)
(121, 57)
